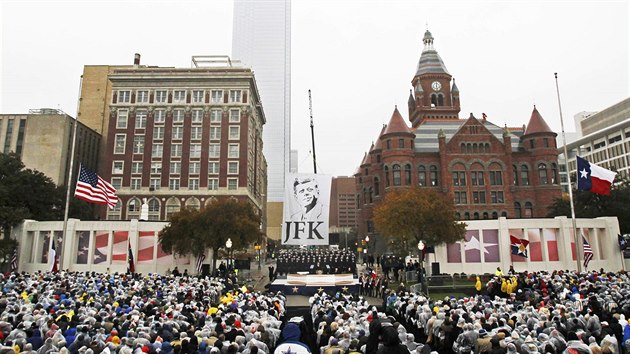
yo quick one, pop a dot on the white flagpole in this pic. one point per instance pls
(578, 245)
(65, 238)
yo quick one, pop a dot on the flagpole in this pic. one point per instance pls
(578, 247)
(69, 174)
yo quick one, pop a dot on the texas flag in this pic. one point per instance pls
(518, 246)
(594, 178)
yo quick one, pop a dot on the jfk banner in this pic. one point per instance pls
(306, 207)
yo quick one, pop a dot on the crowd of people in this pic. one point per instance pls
(318, 261)
(89, 313)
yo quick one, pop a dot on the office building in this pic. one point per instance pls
(43, 141)
(262, 40)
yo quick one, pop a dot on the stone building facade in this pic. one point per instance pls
(489, 171)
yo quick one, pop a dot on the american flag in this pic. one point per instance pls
(94, 189)
(200, 260)
(588, 252)
(14, 260)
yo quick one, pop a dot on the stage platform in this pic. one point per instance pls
(309, 284)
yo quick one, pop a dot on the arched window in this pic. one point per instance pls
(377, 186)
(172, 206)
(542, 173)
(554, 173)
(422, 176)
(370, 195)
(408, 174)
(495, 215)
(466, 216)
(458, 216)
(154, 209)
(440, 100)
(517, 210)
(524, 175)
(477, 175)
(476, 216)
(496, 175)
(434, 101)
(133, 208)
(529, 210)
(210, 201)
(365, 196)
(475, 148)
(515, 175)
(193, 203)
(433, 175)
(386, 169)
(469, 148)
(462, 148)
(485, 215)
(396, 174)
(504, 214)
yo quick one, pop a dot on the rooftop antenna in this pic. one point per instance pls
(310, 109)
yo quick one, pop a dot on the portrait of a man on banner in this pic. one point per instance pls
(306, 210)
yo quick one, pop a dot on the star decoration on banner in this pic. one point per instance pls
(345, 288)
(474, 244)
(583, 174)
(320, 289)
(289, 351)
(295, 289)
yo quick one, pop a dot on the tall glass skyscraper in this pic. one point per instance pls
(262, 40)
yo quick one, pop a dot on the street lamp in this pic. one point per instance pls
(421, 276)
(257, 248)
(228, 245)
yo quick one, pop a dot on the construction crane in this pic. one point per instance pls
(310, 108)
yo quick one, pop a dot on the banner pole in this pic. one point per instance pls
(578, 246)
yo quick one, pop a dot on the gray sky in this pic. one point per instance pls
(357, 56)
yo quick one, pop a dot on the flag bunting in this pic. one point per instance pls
(588, 252)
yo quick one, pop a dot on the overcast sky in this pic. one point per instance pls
(357, 56)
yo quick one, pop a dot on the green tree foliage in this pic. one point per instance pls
(26, 194)
(591, 205)
(409, 215)
(191, 231)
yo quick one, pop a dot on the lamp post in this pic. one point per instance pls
(257, 247)
(365, 251)
(228, 245)
(421, 276)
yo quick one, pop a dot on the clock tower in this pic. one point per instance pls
(434, 94)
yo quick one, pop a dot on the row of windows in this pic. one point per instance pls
(545, 175)
(175, 167)
(397, 174)
(196, 133)
(477, 216)
(172, 206)
(479, 197)
(178, 116)
(477, 178)
(174, 183)
(157, 149)
(178, 96)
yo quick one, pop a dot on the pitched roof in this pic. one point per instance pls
(396, 124)
(430, 61)
(537, 124)
(427, 132)
(379, 145)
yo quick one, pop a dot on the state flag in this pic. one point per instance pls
(518, 246)
(594, 178)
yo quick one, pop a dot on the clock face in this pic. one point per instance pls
(436, 86)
